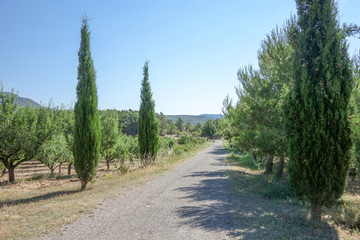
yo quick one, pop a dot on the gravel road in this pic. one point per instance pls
(191, 202)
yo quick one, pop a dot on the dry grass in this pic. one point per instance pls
(282, 215)
(30, 209)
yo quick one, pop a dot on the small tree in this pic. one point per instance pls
(355, 115)
(23, 130)
(171, 127)
(188, 127)
(209, 129)
(148, 125)
(163, 124)
(87, 136)
(109, 134)
(54, 152)
(317, 108)
(17, 131)
(180, 124)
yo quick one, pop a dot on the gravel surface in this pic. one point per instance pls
(191, 202)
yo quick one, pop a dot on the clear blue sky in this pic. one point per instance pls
(195, 48)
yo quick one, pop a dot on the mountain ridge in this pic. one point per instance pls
(193, 119)
(23, 101)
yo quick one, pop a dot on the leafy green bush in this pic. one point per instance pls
(200, 140)
(178, 149)
(186, 139)
(246, 160)
(277, 190)
(166, 142)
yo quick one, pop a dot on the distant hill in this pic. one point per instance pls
(24, 101)
(193, 119)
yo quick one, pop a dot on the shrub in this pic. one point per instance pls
(166, 142)
(186, 139)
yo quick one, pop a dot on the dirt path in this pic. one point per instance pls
(192, 202)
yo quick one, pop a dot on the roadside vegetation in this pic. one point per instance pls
(130, 146)
(34, 207)
(298, 113)
(276, 211)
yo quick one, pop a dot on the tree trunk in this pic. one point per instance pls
(254, 156)
(69, 169)
(83, 185)
(11, 173)
(60, 168)
(316, 213)
(280, 169)
(52, 171)
(269, 165)
(108, 163)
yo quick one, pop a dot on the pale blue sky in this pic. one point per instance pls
(195, 48)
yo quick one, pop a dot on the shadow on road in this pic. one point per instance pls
(217, 205)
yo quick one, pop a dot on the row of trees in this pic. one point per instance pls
(54, 136)
(129, 120)
(82, 136)
(296, 104)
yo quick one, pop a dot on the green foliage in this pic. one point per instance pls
(188, 127)
(347, 213)
(193, 119)
(23, 130)
(148, 125)
(255, 123)
(128, 122)
(87, 135)
(163, 124)
(54, 152)
(262, 185)
(125, 151)
(317, 106)
(186, 140)
(209, 129)
(355, 115)
(166, 142)
(171, 128)
(180, 124)
(246, 160)
(109, 130)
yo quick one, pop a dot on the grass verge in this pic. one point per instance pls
(30, 209)
(268, 209)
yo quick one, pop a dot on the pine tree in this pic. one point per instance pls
(148, 135)
(317, 106)
(87, 137)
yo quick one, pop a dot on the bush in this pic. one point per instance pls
(126, 150)
(166, 142)
(186, 139)
(278, 190)
(178, 149)
(200, 140)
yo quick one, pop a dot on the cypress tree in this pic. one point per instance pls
(87, 136)
(148, 135)
(317, 106)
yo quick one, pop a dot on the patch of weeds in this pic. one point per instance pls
(36, 177)
(346, 212)
(247, 161)
(58, 177)
(277, 190)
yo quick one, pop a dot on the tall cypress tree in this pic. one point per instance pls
(87, 137)
(317, 106)
(148, 135)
